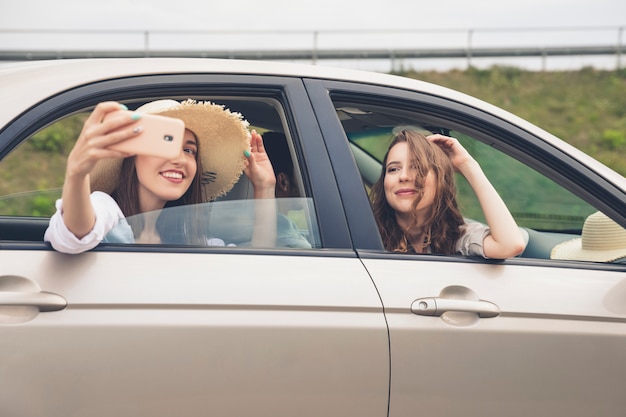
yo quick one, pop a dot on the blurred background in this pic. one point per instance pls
(558, 63)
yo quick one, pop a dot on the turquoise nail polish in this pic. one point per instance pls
(136, 116)
(246, 153)
(123, 107)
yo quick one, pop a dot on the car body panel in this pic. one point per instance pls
(557, 331)
(176, 340)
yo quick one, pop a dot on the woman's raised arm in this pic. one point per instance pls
(505, 240)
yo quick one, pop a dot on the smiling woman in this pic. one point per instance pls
(207, 165)
(414, 201)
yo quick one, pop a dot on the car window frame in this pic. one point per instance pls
(289, 91)
(514, 141)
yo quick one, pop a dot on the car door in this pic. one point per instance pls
(164, 330)
(473, 337)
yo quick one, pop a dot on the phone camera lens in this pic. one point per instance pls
(168, 138)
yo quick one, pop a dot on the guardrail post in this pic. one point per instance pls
(146, 44)
(314, 54)
(470, 33)
(620, 32)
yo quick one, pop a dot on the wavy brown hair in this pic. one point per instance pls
(172, 227)
(441, 227)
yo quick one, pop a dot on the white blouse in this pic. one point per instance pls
(110, 227)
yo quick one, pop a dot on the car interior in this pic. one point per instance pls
(369, 129)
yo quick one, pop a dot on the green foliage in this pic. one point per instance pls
(59, 137)
(586, 108)
(36, 203)
(614, 139)
(48, 142)
(31, 176)
(42, 206)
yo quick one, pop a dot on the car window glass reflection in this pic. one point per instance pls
(225, 223)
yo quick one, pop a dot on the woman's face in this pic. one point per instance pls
(399, 183)
(162, 180)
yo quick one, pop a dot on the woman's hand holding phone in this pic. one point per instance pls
(158, 136)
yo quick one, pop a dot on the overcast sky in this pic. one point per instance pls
(306, 14)
(441, 22)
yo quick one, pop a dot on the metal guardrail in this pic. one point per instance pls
(146, 39)
(307, 54)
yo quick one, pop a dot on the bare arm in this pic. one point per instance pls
(260, 172)
(505, 240)
(91, 146)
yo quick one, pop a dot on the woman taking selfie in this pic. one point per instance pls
(104, 186)
(414, 201)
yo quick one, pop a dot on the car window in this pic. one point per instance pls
(534, 200)
(547, 213)
(33, 175)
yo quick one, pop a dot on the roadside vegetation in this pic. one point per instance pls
(586, 108)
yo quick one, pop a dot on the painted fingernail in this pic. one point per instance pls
(136, 116)
(246, 153)
(137, 129)
(123, 107)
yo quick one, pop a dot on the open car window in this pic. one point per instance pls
(33, 175)
(547, 213)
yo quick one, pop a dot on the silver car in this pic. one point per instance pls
(336, 328)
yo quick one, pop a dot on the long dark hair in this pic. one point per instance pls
(441, 226)
(173, 227)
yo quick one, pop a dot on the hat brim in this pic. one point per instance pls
(572, 250)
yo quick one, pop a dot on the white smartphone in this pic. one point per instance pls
(161, 137)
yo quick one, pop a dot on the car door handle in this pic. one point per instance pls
(44, 301)
(437, 306)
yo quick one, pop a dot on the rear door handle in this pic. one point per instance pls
(44, 301)
(437, 306)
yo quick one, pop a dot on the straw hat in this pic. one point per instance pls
(602, 240)
(222, 139)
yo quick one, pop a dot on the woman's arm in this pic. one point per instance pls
(260, 172)
(505, 240)
(108, 216)
(91, 146)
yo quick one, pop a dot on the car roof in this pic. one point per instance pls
(46, 78)
(28, 83)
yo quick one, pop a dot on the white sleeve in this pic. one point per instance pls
(108, 214)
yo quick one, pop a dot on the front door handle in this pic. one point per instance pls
(437, 306)
(44, 301)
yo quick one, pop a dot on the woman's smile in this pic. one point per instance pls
(406, 192)
(173, 175)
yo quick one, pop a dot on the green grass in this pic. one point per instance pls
(586, 108)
